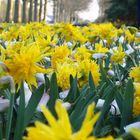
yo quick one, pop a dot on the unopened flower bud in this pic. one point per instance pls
(118, 83)
(111, 73)
(63, 94)
(100, 103)
(67, 105)
(40, 77)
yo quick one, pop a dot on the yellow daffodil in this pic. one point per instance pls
(59, 55)
(63, 73)
(135, 73)
(118, 55)
(61, 129)
(24, 65)
(100, 49)
(82, 54)
(84, 68)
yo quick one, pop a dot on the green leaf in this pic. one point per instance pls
(10, 115)
(108, 100)
(127, 108)
(32, 105)
(103, 74)
(54, 95)
(47, 83)
(73, 92)
(91, 83)
(20, 115)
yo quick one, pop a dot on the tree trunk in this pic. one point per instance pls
(54, 10)
(24, 8)
(35, 9)
(30, 11)
(40, 10)
(16, 11)
(45, 10)
(138, 12)
(7, 19)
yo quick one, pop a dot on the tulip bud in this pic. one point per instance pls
(63, 94)
(67, 105)
(111, 73)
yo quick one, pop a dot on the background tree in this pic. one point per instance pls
(8, 9)
(65, 10)
(124, 10)
(16, 11)
(35, 9)
(45, 10)
(24, 9)
(40, 10)
(30, 11)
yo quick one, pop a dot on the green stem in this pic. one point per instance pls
(10, 114)
(1, 135)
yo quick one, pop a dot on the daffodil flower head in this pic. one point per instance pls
(100, 49)
(118, 55)
(59, 55)
(63, 73)
(61, 129)
(135, 73)
(23, 65)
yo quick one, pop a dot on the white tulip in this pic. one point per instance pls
(63, 94)
(114, 108)
(98, 55)
(100, 103)
(121, 39)
(40, 77)
(43, 101)
(130, 49)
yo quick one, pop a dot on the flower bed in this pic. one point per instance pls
(87, 77)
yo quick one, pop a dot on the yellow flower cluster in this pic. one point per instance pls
(29, 44)
(65, 64)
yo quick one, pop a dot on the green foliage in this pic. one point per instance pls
(124, 10)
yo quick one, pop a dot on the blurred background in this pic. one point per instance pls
(71, 11)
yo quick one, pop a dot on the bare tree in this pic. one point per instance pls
(66, 9)
(45, 10)
(40, 10)
(16, 11)
(24, 8)
(8, 11)
(30, 11)
(35, 9)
